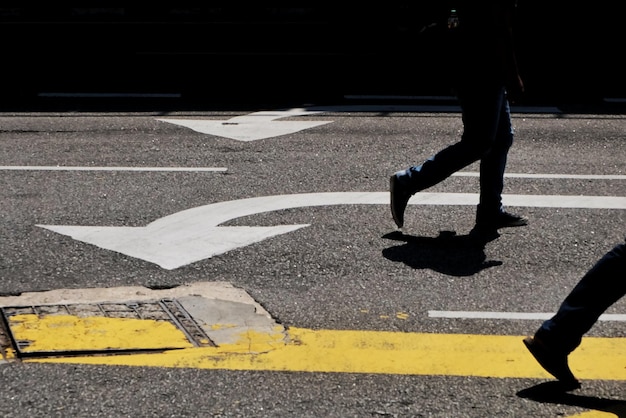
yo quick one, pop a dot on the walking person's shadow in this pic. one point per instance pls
(449, 253)
(552, 392)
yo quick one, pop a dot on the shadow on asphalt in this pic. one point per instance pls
(553, 392)
(448, 253)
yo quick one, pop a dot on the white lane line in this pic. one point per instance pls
(217, 169)
(453, 107)
(116, 95)
(510, 315)
(76, 168)
(537, 201)
(549, 176)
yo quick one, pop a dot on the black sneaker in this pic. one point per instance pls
(399, 199)
(553, 361)
(501, 220)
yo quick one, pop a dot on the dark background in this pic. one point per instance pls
(569, 52)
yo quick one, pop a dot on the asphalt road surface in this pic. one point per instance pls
(328, 258)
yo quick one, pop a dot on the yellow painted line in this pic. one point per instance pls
(307, 350)
(596, 414)
(53, 333)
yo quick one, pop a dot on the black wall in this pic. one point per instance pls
(568, 52)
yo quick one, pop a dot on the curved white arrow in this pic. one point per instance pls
(193, 234)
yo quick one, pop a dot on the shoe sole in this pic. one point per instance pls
(521, 222)
(392, 184)
(507, 225)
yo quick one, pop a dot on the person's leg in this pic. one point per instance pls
(480, 113)
(599, 288)
(558, 336)
(490, 214)
(493, 163)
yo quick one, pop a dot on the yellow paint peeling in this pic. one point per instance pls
(217, 327)
(71, 333)
(9, 354)
(253, 342)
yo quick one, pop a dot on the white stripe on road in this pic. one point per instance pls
(510, 315)
(115, 95)
(76, 168)
(520, 200)
(549, 176)
(207, 169)
(453, 107)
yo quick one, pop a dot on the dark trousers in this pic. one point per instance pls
(599, 288)
(487, 136)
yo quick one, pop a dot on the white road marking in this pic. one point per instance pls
(193, 234)
(510, 315)
(452, 107)
(117, 95)
(549, 176)
(252, 127)
(220, 169)
(87, 168)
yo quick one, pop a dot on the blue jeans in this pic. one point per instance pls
(599, 288)
(487, 136)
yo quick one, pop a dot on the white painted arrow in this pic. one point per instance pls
(193, 234)
(259, 125)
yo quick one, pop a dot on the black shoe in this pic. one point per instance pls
(483, 235)
(502, 219)
(399, 199)
(553, 361)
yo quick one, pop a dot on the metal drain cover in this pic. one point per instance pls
(82, 328)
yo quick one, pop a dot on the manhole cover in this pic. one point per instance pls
(73, 329)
